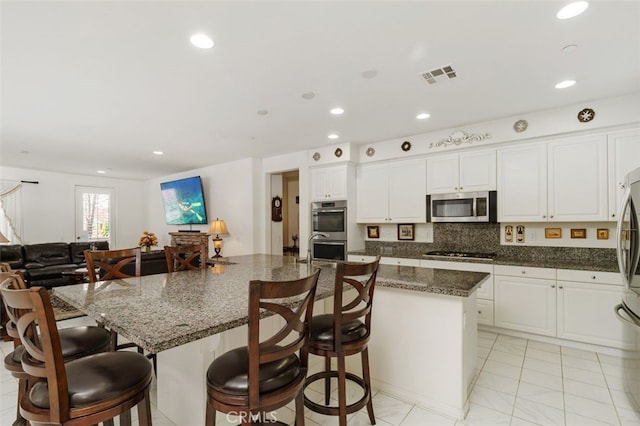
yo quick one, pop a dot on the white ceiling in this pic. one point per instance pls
(100, 85)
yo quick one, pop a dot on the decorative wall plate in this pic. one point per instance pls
(338, 152)
(316, 156)
(520, 126)
(459, 137)
(586, 115)
(406, 146)
(370, 152)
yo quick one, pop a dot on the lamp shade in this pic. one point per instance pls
(3, 239)
(218, 227)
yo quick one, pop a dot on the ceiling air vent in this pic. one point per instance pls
(434, 75)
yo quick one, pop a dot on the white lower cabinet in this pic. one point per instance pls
(568, 304)
(399, 261)
(525, 304)
(585, 308)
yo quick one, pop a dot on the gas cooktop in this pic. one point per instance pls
(461, 254)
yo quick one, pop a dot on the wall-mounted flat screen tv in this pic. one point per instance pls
(184, 202)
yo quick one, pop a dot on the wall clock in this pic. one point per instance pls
(276, 209)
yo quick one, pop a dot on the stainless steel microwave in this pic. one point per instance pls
(463, 207)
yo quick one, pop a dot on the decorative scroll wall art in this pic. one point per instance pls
(458, 138)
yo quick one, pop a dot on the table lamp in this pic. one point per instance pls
(219, 228)
(3, 239)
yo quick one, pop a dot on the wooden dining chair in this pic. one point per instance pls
(254, 380)
(110, 263)
(180, 258)
(64, 379)
(345, 331)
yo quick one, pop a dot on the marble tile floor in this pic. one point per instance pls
(517, 382)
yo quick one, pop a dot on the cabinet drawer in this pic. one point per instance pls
(525, 271)
(613, 278)
(398, 261)
(485, 312)
(457, 266)
(360, 258)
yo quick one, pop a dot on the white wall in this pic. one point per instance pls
(229, 195)
(49, 206)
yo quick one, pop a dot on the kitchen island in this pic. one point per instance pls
(424, 330)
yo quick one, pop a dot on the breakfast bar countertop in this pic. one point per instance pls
(161, 311)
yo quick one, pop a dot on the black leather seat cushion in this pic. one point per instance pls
(229, 373)
(321, 329)
(98, 378)
(13, 361)
(78, 342)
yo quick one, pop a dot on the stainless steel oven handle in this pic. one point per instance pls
(328, 211)
(328, 243)
(633, 319)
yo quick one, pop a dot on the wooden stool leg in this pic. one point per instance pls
(23, 387)
(125, 418)
(300, 409)
(110, 422)
(367, 379)
(210, 418)
(144, 410)
(342, 390)
(327, 381)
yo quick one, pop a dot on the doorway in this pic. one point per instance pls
(285, 233)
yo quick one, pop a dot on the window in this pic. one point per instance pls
(94, 214)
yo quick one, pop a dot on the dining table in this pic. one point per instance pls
(189, 317)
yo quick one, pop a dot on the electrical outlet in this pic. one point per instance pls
(532, 235)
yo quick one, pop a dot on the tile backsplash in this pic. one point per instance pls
(483, 238)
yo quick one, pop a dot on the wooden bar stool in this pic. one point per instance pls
(76, 342)
(345, 332)
(252, 381)
(109, 263)
(82, 392)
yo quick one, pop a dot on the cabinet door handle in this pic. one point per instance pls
(554, 286)
(593, 277)
(551, 217)
(613, 215)
(480, 312)
(524, 272)
(461, 188)
(544, 216)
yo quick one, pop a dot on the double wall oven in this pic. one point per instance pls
(329, 224)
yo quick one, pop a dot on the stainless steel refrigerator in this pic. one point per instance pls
(628, 311)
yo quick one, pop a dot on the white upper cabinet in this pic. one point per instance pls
(578, 179)
(575, 188)
(329, 183)
(624, 156)
(470, 171)
(391, 192)
(522, 184)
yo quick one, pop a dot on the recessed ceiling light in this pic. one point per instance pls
(202, 41)
(423, 116)
(333, 136)
(262, 112)
(337, 111)
(369, 74)
(572, 9)
(308, 95)
(158, 152)
(565, 84)
(101, 172)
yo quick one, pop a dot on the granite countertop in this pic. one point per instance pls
(161, 311)
(554, 263)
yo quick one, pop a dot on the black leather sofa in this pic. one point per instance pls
(43, 264)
